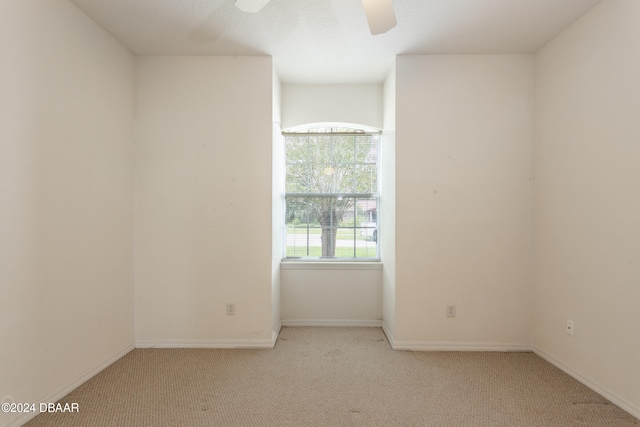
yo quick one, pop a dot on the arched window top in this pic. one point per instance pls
(331, 128)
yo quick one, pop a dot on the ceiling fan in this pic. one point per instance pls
(380, 14)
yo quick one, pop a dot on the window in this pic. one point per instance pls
(331, 194)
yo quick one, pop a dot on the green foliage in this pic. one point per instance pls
(326, 163)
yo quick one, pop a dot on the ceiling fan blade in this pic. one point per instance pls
(252, 6)
(380, 15)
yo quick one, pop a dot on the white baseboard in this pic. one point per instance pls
(603, 391)
(74, 383)
(389, 335)
(349, 323)
(459, 346)
(275, 334)
(213, 343)
(452, 346)
(209, 343)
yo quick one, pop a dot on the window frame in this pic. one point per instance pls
(329, 130)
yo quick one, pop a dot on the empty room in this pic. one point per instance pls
(319, 212)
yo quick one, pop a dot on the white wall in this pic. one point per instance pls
(304, 104)
(325, 295)
(463, 201)
(66, 214)
(587, 169)
(203, 195)
(388, 205)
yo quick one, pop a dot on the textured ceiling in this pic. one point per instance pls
(328, 41)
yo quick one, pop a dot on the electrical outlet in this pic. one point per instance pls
(231, 308)
(570, 327)
(451, 311)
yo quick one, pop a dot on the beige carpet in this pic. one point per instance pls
(334, 377)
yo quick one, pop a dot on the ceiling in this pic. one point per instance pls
(328, 41)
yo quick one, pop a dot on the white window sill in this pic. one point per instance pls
(330, 265)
